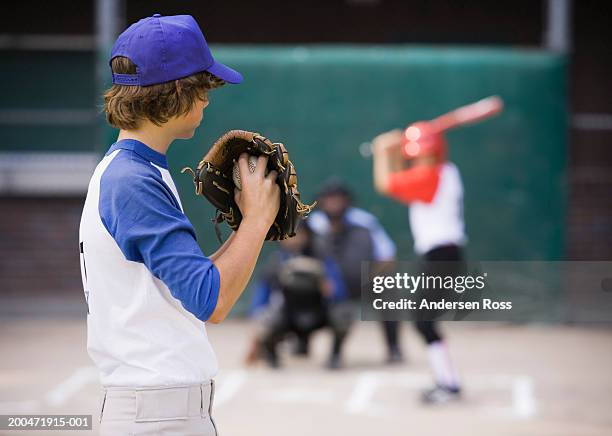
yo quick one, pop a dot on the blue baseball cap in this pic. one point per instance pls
(165, 49)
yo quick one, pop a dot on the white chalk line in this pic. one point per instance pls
(523, 403)
(229, 385)
(56, 396)
(523, 397)
(299, 395)
(523, 406)
(360, 401)
(70, 386)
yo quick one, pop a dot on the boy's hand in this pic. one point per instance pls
(259, 198)
(387, 141)
(260, 201)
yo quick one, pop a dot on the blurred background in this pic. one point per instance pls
(325, 77)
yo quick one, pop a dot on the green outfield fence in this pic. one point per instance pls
(323, 102)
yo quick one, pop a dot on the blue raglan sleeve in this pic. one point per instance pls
(143, 217)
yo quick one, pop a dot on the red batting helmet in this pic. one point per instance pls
(423, 139)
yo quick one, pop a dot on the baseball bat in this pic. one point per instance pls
(468, 114)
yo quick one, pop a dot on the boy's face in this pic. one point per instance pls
(185, 126)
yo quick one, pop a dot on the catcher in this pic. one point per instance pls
(297, 294)
(148, 286)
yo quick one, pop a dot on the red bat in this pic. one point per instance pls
(427, 137)
(471, 113)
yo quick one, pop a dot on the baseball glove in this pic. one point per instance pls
(213, 180)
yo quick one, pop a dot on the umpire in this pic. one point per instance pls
(352, 235)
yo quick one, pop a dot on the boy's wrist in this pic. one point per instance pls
(255, 225)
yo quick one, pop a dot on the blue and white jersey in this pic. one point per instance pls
(147, 283)
(384, 247)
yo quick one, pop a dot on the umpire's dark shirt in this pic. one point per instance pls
(349, 247)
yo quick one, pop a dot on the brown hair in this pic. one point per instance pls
(126, 106)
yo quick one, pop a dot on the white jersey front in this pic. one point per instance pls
(147, 284)
(439, 222)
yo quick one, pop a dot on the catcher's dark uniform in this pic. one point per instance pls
(290, 299)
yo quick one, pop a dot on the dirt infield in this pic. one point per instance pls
(519, 380)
